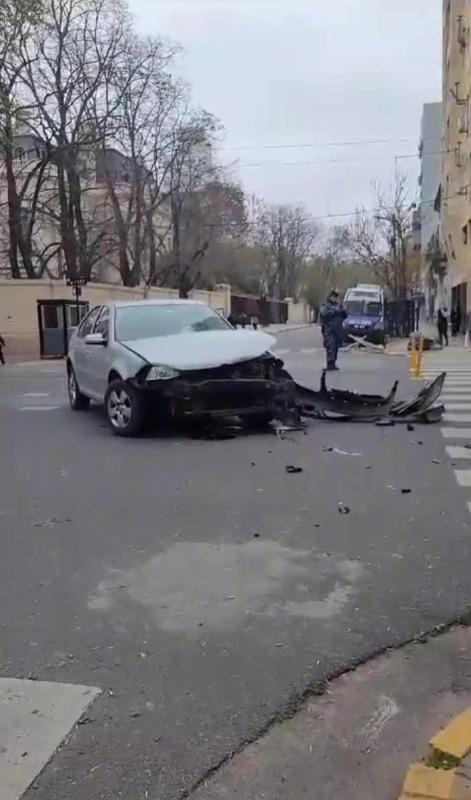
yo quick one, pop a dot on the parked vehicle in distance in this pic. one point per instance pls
(364, 305)
(177, 357)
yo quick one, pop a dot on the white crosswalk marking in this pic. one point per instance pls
(36, 394)
(459, 452)
(39, 408)
(452, 417)
(457, 399)
(35, 718)
(466, 418)
(463, 476)
(456, 433)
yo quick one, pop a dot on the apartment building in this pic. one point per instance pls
(454, 200)
(429, 218)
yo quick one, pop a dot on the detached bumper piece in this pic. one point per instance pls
(337, 404)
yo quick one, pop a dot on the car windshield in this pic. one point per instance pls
(148, 321)
(373, 309)
(354, 307)
(363, 308)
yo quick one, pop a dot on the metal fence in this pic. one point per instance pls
(401, 317)
(268, 312)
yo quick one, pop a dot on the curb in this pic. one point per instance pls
(445, 773)
(288, 328)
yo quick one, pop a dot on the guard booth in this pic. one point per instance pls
(57, 321)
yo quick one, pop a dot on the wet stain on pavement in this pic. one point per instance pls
(218, 587)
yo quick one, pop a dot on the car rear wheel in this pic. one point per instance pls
(125, 409)
(77, 400)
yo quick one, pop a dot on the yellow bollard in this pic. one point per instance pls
(413, 356)
(417, 354)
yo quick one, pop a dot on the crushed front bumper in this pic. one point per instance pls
(229, 397)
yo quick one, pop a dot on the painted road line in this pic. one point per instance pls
(463, 476)
(458, 406)
(39, 408)
(35, 718)
(282, 352)
(309, 350)
(454, 417)
(456, 433)
(456, 394)
(36, 394)
(459, 452)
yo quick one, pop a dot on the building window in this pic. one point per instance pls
(465, 234)
(19, 154)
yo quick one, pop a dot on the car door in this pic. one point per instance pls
(81, 351)
(98, 358)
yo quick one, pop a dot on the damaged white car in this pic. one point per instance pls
(173, 357)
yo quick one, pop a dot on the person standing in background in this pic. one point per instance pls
(456, 320)
(331, 317)
(2, 345)
(442, 325)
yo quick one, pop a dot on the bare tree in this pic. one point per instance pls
(69, 60)
(18, 19)
(286, 237)
(383, 241)
(140, 136)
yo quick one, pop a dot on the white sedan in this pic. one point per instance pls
(172, 357)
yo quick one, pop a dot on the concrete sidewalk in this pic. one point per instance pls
(287, 327)
(356, 737)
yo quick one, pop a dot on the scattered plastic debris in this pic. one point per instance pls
(293, 470)
(345, 452)
(343, 509)
(406, 491)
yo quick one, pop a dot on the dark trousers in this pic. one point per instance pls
(2, 357)
(331, 345)
(443, 335)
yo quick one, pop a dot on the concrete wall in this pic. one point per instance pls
(18, 307)
(298, 312)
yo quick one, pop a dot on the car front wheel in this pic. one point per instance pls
(77, 400)
(125, 409)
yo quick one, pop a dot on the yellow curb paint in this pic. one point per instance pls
(422, 781)
(440, 784)
(455, 739)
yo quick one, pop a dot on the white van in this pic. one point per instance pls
(364, 305)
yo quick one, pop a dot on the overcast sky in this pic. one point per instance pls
(306, 72)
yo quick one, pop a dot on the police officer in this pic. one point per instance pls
(331, 317)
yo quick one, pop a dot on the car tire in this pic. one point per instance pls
(125, 409)
(77, 400)
(260, 418)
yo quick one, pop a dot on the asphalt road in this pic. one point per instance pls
(200, 586)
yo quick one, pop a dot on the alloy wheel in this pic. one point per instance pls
(119, 409)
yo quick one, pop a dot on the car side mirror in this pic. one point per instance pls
(96, 339)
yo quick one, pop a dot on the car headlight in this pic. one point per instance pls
(161, 373)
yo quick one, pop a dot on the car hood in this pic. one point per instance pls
(203, 350)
